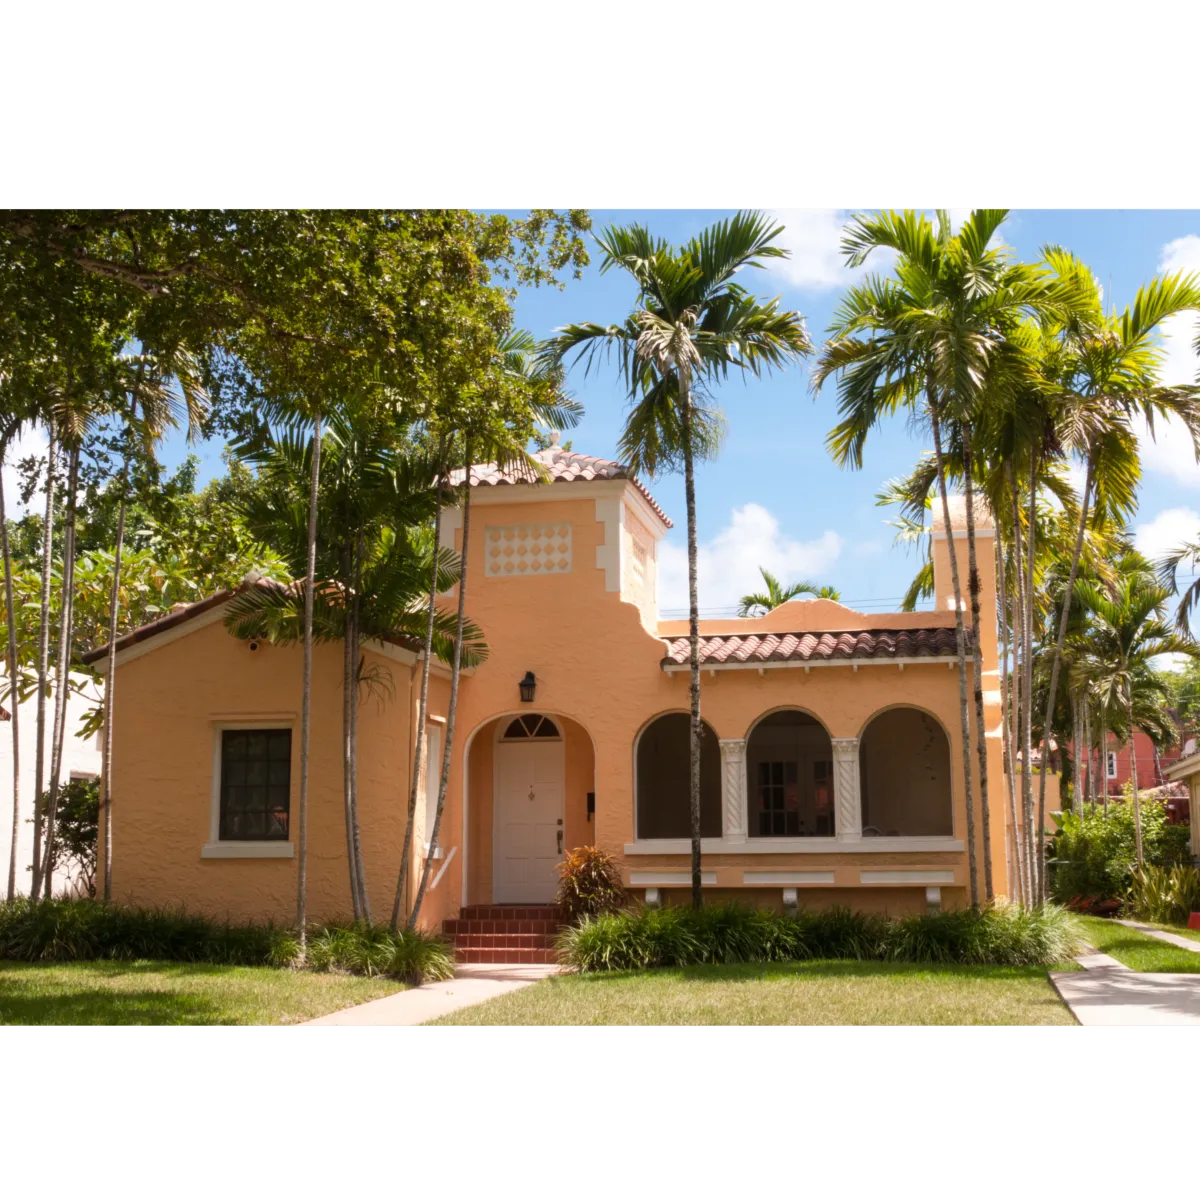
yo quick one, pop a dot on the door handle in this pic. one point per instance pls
(560, 844)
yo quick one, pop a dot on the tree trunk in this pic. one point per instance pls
(985, 816)
(697, 725)
(1063, 622)
(1091, 751)
(348, 690)
(422, 703)
(1019, 698)
(1006, 707)
(1104, 753)
(960, 641)
(43, 665)
(110, 686)
(360, 870)
(310, 574)
(14, 691)
(1033, 834)
(66, 637)
(1137, 803)
(452, 709)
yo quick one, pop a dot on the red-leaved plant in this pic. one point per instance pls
(591, 884)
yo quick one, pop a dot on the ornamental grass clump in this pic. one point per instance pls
(733, 933)
(361, 949)
(1165, 895)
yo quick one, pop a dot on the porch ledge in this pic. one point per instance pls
(247, 850)
(819, 845)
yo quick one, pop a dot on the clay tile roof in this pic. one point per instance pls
(831, 646)
(564, 466)
(4, 714)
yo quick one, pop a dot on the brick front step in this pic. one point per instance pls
(458, 925)
(470, 954)
(510, 912)
(498, 941)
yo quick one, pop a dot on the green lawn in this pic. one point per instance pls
(1182, 930)
(1138, 951)
(166, 993)
(809, 993)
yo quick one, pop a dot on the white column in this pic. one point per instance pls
(846, 789)
(733, 789)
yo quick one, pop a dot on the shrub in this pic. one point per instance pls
(591, 884)
(1166, 895)
(362, 949)
(1095, 855)
(76, 821)
(74, 930)
(732, 933)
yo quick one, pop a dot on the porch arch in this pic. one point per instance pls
(790, 776)
(905, 775)
(662, 777)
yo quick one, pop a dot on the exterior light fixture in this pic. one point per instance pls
(527, 686)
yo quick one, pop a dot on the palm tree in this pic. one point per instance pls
(536, 390)
(1129, 630)
(755, 604)
(692, 323)
(152, 409)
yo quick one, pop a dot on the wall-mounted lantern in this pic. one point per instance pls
(527, 686)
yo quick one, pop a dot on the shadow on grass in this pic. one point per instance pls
(724, 973)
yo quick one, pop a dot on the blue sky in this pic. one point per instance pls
(774, 497)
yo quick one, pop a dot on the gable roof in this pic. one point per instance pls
(181, 614)
(563, 466)
(758, 649)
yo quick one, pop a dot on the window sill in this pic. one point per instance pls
(247, 850)
(814, 845)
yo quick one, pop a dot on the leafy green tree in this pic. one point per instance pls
(693, 322)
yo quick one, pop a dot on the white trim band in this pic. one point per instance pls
(917, 876)
(813, 845)
(789, 878)
(669, 878)
(247, 850)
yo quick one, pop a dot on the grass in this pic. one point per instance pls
(171, 993)
(804, 993)
(1138, 951)
(1182, 930)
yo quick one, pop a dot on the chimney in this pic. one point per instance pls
(985, 563)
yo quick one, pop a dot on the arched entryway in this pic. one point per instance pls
(905, 776)
(528, 789)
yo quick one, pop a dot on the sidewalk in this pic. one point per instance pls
(1164, 935)
(472, 984)
(1107, 992)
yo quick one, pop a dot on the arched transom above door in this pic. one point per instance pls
(530, 725)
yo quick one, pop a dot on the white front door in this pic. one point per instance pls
(528, 822)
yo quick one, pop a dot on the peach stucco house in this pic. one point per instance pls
(832, 771)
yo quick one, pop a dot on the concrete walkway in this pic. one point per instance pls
(1107, 992)
(1165, 935)
(472, 984)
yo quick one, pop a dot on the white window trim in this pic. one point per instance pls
(215, 847)
(1110, 764)
(801, 846)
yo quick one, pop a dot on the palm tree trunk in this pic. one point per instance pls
(1020, 697)
(1104, 753)
(697, 725)
(348, 689)
(1063, 622)
(1006, 706)
(360, 870)
(452, 710)
(1133, 777)
(422, 703)
(14, 692)
(1033, 834)
(985, 816)
(110, 686)
(960, 640)
(1091, 750)
(43, 664)
(310, 583)
(66, 637)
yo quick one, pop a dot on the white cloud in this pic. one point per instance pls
(1170, 528)
(31, 442)
(728, 564)
(1169, 452)
(1179, 332)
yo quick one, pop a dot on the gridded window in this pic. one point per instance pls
(778, 800)
(256, 776)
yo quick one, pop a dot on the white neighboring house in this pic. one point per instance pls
(81, 759)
